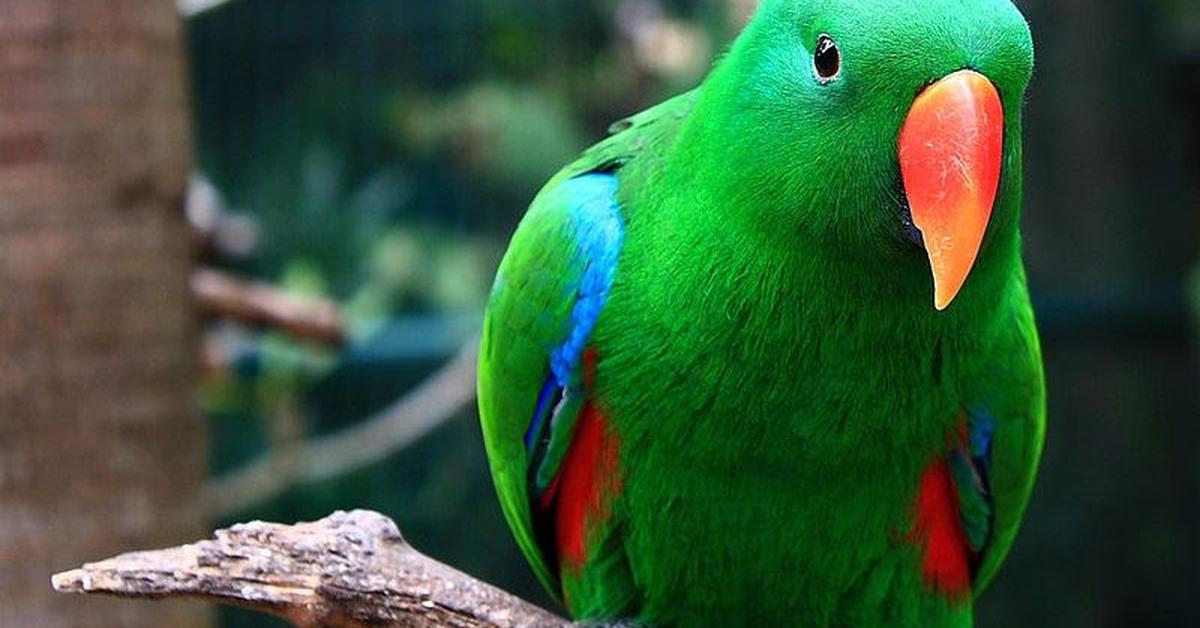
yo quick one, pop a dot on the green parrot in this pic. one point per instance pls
(766, 355)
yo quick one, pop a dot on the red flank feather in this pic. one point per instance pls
(588, 483)
(589, 480)
(939, 530)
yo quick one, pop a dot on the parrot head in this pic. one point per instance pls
(885, 128)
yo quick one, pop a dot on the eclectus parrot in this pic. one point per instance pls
(766, 355)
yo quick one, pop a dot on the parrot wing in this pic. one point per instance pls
(971, 501)
(995, 466)
(536, 358)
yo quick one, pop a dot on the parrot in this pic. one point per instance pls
(765, 355)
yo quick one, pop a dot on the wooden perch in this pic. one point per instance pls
(254, 303)
(348, 570)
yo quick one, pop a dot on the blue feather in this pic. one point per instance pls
(970, 465)
(598, 231)
(549, 392)
(983, 427)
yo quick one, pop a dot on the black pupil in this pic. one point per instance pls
(827, 59)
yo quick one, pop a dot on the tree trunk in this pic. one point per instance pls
(101, 447)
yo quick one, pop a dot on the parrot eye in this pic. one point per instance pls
(827, 60)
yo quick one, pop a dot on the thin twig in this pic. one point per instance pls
(434, 402)
(192, 8)
(219, 294)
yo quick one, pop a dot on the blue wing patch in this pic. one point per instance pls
(970, 464)
(599, 232)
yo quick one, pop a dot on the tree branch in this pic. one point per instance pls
(192, 8)
(219, 294)
(348, 570)
(431, 404)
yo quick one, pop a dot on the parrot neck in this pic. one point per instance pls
(735, 226)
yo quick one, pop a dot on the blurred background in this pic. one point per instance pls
(294, 333)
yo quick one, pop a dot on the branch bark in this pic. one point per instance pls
(262, 304)
(348, 570)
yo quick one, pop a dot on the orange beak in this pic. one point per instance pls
(951, 149)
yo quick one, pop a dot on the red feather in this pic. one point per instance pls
(939, 530)
(589, 479)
